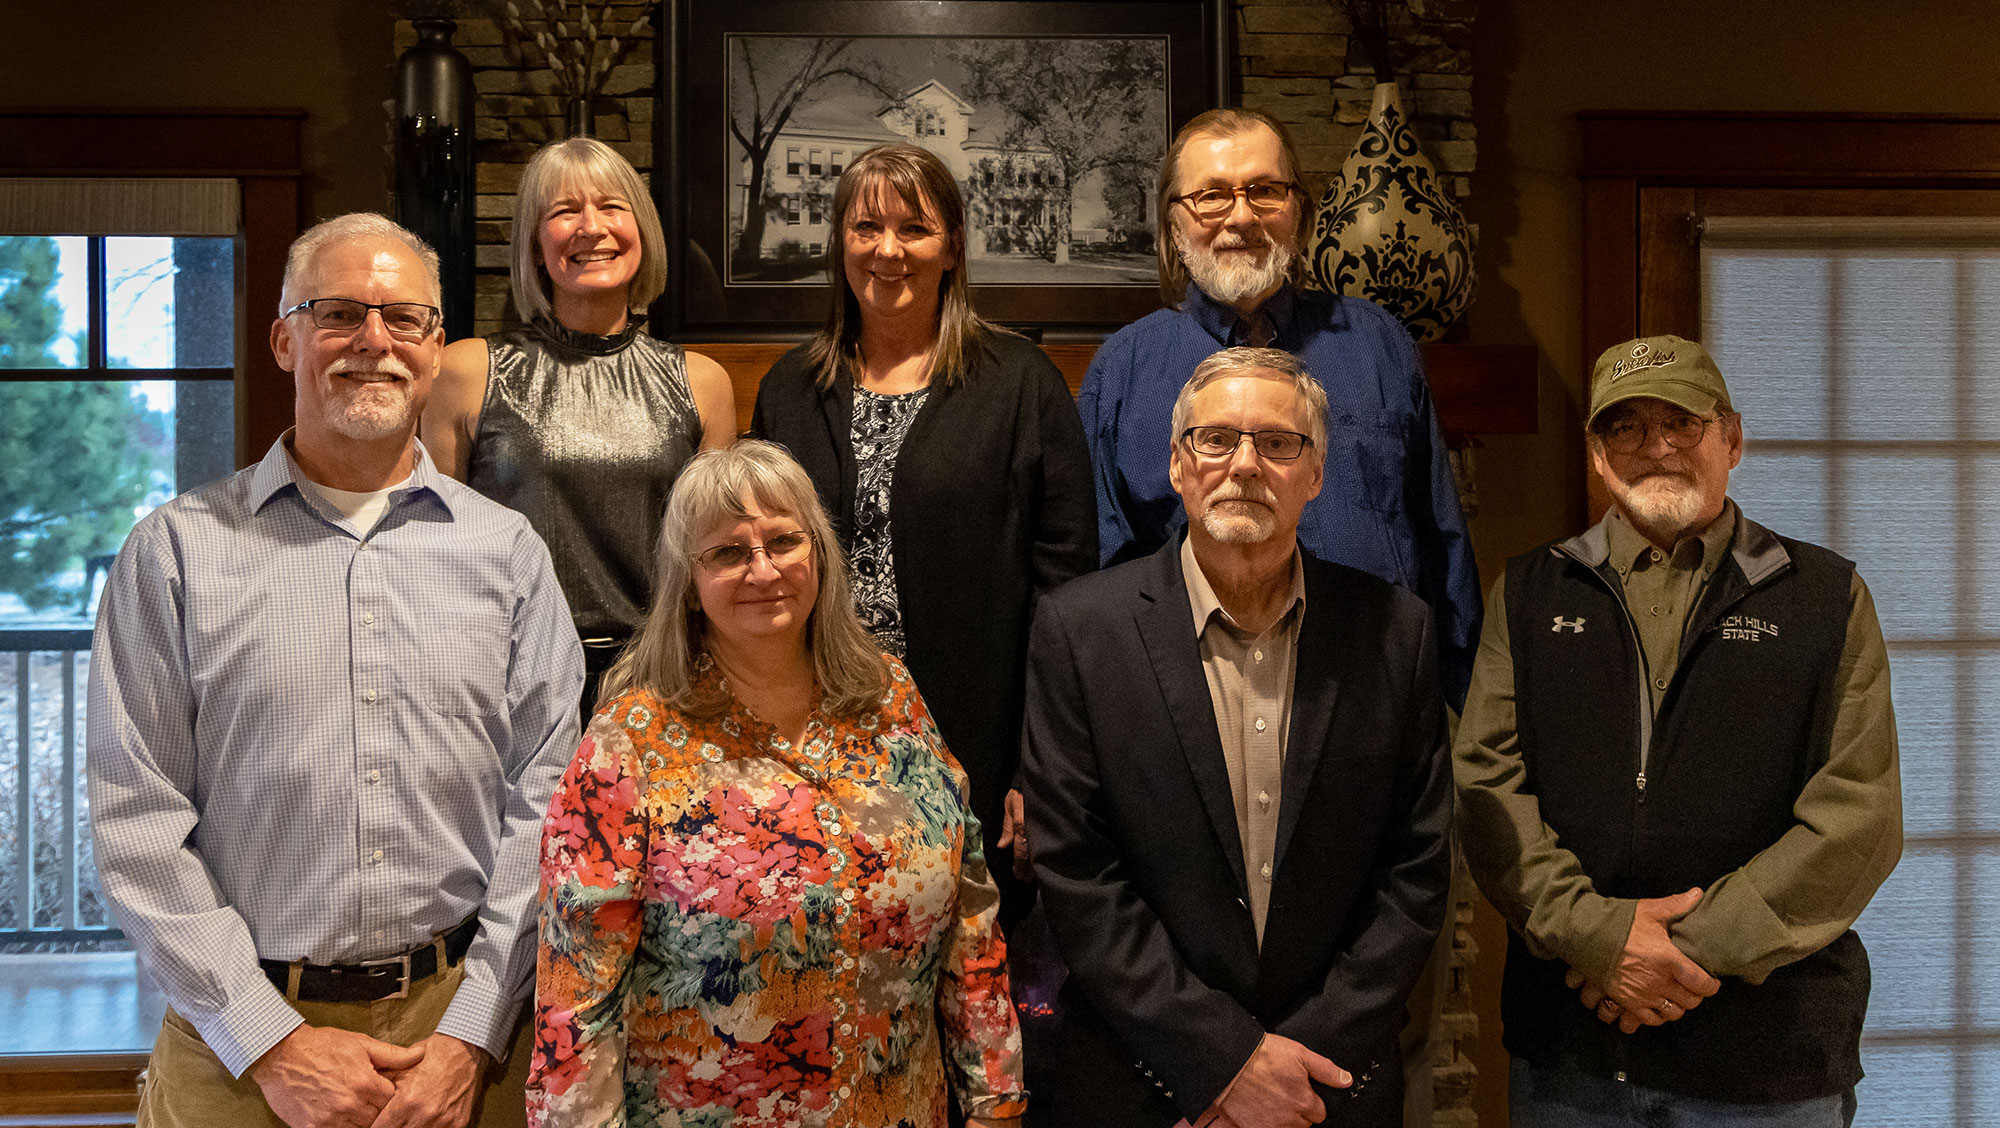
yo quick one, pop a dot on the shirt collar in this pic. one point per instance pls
(1217, 319)
(1704, 549)
(1201, 597)
(278, 469)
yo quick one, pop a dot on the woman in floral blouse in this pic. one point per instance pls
(764, 899)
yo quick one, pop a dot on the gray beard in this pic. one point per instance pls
(1230, 283)
(1666, 507)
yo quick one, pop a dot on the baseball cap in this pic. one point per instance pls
(1669, 368)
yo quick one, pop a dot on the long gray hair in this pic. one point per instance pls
(712, 488)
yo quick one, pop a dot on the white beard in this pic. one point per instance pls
(1239, 525)
(1661, 503)
(370, 411)
(1236, 280)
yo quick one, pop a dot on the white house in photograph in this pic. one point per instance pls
(1007, 188)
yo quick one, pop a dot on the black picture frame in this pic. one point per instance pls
(699, 165)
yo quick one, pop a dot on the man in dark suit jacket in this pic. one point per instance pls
(1238, 792)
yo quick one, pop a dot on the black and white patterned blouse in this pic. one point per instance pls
(880, 424)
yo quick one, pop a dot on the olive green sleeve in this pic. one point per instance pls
(1536, 884)
(1800, 893)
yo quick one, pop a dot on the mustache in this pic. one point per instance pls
(380, 365)
(1228, 240)
(1234, 490)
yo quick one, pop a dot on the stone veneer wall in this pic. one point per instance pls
(1293, 61)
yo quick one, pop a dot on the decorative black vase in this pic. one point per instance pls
(580, 116)
(435, 173)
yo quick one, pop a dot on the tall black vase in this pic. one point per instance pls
(435, 185)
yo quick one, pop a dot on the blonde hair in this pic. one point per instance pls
(926, 187)
(1222, 123)
(353, 227)
(662, 657)
(1246, 361)
(584, 163)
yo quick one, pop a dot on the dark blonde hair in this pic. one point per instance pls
(926, 187)
(1227, 122)
(580, 162)
(661, 658)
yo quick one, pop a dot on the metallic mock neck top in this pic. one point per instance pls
(584, 436)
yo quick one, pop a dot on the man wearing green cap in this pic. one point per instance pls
(1677, 774)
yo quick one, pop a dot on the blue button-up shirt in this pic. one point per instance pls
(1390, 503)
(308, 742)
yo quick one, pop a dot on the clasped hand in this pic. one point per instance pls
(1654, 982)
(321, 1077)
(1274, 1089)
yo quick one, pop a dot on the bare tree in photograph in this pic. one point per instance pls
(1091, 104)
(770, 78)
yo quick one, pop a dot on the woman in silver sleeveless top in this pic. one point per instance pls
(578, 420)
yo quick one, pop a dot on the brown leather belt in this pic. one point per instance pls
(370, 980)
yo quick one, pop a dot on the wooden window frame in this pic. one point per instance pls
(263, 151)
(1648, 177)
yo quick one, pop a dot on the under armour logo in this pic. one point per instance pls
(1573, 625)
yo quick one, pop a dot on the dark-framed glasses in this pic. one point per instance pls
(1221, 442)
(728, 561)
(1261, 195)
(1681, 430)
(410, 320)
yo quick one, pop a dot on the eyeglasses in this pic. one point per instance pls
(409, 320)
(1262, 196)
(728, 561)
(1221, 442)
(1624, 436)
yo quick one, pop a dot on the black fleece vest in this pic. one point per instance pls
(1744, 723)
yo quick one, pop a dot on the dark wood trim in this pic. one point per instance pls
(263, 149)
(1798, 149)
(1478, 389)
(1643, 172)
(77, 1088)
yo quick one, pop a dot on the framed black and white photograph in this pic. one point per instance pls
(1053, 117)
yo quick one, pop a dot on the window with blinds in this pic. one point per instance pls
(1864, 354)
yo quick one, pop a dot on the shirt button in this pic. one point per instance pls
(1266, 871)
(845, 1091)
(846, 1028)
(847, 962)
(1654, 556)
(375, 858)
(379, 934)
(1656, 609)
(1257, 654)
(1618, 1076)
(1260, 724)
(363, 547)
(374, 775)
(368, 695)
(1659, 683)
(1263, 798)
(368, 618)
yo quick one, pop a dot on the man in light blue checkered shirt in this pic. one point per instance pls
(329, 699)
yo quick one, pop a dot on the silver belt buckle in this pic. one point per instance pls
(403, 980)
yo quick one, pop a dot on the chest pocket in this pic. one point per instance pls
(1366, 457)
(465, 658)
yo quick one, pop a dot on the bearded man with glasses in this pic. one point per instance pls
(1678, 782)
(1237, 785)
(330, 697)
(1233, 216)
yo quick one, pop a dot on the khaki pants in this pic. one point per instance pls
(187, 1086)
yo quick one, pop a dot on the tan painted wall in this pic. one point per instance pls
(332, 60)
(1536, 63)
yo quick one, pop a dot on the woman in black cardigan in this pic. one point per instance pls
(950, 455)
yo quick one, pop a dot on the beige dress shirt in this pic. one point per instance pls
(1250, 685)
